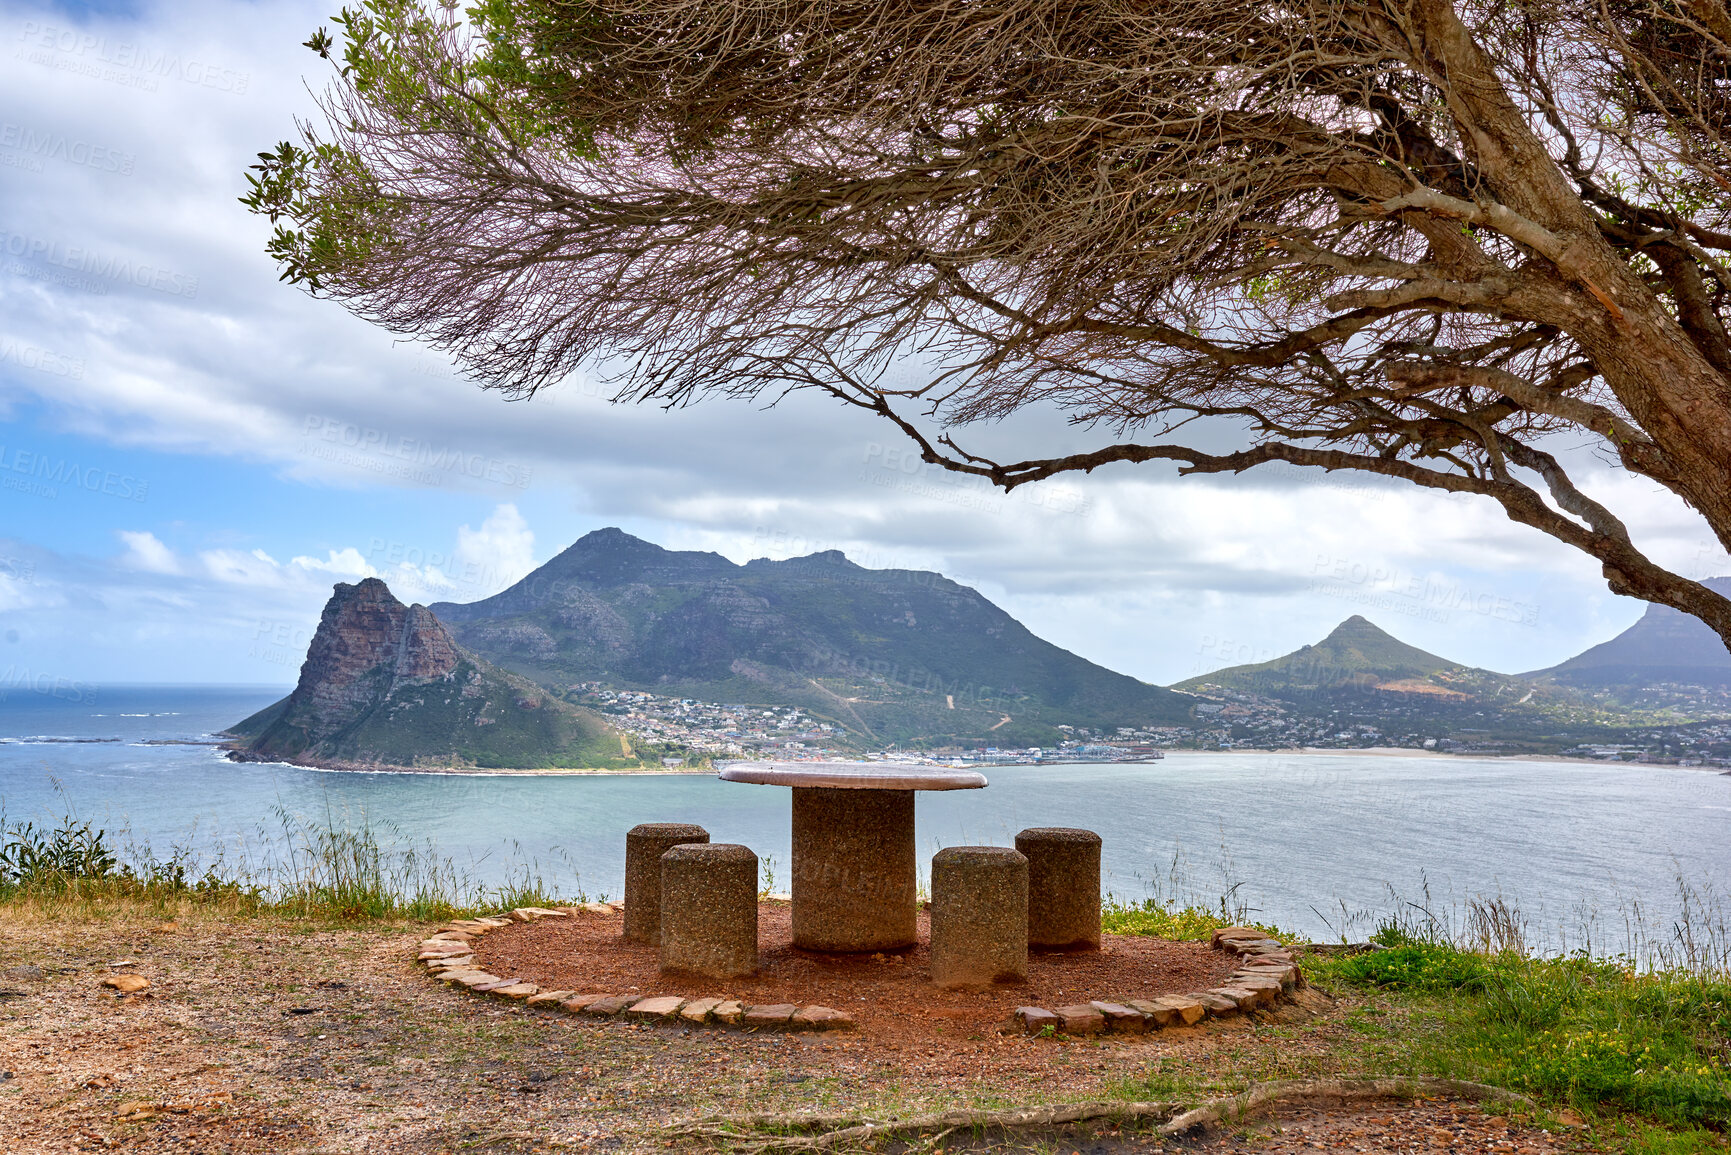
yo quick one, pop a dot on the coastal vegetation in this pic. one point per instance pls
(328, 870)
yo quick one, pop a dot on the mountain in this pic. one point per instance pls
(1664, 646)
(385, 684)
(891, 655)
(1357, 655)
(1360, 685)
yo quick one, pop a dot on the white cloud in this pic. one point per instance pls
(346, 562)
(412, 583)
(254, 568)
(1132, 567)
(21, 587)
(145, 552)
(498, 554)
(217, 614)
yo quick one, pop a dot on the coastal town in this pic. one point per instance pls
(713, 731)
(696, 731)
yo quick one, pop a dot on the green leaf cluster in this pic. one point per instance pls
(410, 80)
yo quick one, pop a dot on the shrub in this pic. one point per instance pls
(1414, 967)
(45, 859)
(1169, 920)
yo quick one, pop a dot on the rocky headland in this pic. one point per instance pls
(385, 686)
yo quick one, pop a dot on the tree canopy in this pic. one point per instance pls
(1447, 243)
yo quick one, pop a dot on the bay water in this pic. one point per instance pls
(1319, 843)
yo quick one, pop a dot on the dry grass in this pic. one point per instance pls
(385, 1060)
(273, 1034)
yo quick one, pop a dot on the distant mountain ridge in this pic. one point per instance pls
(891, 654)
(1361, 682)
(385, 685)
(1665, 645)
(1357, 654)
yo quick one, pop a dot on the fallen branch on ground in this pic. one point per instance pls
(514, 1137)
(745, 1132)
(1308, 1090)
(735, 1130)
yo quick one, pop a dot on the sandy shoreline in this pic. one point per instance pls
(1296, 752)
(478, 772)
(1408, 752)
(1318, 751)
(481, 772)
(461, 771)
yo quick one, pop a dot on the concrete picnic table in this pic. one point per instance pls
(854, 866)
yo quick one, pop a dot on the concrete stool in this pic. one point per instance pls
(709, 910)
(1063, 887)
(979, 916)
(644, 846)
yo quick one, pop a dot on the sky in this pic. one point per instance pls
(192, 452)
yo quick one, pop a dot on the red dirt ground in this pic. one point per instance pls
(891, 996)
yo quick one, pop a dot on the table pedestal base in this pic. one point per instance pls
(854, 871)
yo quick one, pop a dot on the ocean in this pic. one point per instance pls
(1319, 843)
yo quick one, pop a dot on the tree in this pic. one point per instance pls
(1442, 243)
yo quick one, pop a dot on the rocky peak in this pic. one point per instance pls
(1664, 645)
(367, 642)
(604, 559)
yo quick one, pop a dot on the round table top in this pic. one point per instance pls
(853, 775)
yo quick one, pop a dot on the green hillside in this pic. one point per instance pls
(1361, 680)
(1356, 655)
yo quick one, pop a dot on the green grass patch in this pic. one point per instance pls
(1413, 967)
(1594, 1035)
(1171, 920)
(1643, 1054)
